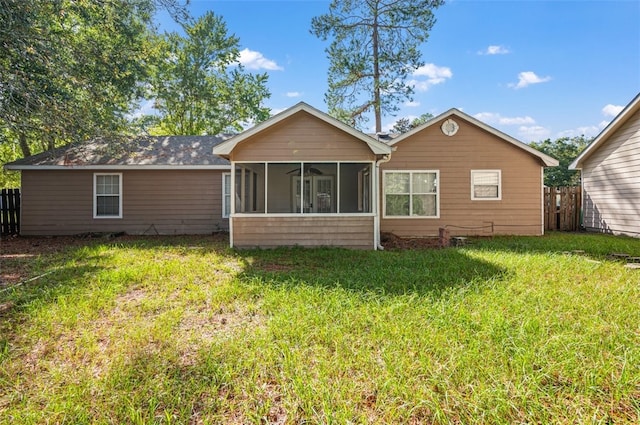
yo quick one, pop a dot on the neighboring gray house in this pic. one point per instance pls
(610, 168)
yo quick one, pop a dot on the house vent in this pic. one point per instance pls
(383, 135)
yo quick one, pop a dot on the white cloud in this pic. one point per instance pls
(412, 104)
(293, 94)
(434, 75)
(587, 131)
(255, 60)
(145, 108)
(494, 50)
(495, 118)
(527, 78)
(611, 110)
(533, 133)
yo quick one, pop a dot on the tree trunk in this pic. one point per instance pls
(24, 145)
(376, 72)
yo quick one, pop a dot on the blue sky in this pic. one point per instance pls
(532, 69)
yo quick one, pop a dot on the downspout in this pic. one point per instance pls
(232, 201)
(376, 221)
(542, 230)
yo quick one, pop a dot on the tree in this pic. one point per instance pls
(72, 70)
(565, 150)
(405, 124)
(198, 85)
(373, 51)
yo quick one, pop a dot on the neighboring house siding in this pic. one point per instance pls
(611, 182)
(60, 202)
(518, 212)
(270, 232)
(302, 137)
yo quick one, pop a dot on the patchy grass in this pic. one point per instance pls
(185, 330)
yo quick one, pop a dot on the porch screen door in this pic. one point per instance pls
(318, 194)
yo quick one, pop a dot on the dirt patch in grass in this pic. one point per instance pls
(394, 242)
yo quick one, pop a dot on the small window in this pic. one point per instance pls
(226, 195)
(107, 189)
(411, 194)
(486, 185)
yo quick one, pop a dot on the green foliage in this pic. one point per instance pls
(374, 49)
(404, 124)
(198, 86)
(72, 70)
(565, 150)
(9, 152)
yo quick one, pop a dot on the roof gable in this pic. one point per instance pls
(224, 149)
(546, 159)
(602, 138)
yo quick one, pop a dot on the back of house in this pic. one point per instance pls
(299, 178)
(459, 174)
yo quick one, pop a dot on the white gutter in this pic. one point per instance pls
(376, 221)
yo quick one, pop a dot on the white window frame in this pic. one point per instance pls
(225, 195)
(96, 194)
(410, 216)
(474, 173)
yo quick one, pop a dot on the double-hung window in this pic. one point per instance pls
(486, 185)
(411, 194)
(107, 195)
(226, 195)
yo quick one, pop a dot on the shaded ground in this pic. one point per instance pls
(17, 252)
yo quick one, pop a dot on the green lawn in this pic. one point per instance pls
(185, 330)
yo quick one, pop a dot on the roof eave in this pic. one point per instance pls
(18, 167)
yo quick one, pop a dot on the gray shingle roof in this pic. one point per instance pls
(190, 151)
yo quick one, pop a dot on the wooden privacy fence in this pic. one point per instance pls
(562, 208)
(10, 211)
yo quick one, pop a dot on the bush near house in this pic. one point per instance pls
(185, 330)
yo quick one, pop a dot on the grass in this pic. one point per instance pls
(185, 330)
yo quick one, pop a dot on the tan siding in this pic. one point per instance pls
(611, 182)
(154, 202)
(519, 211)
(269, 232)
(302, 137)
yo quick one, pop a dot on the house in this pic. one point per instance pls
(148, 185)
(610, 169)
(299, 178)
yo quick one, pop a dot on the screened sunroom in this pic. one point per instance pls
(302, 178)
(300, 188)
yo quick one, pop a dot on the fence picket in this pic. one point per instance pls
(10, 212)
(562, 208)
